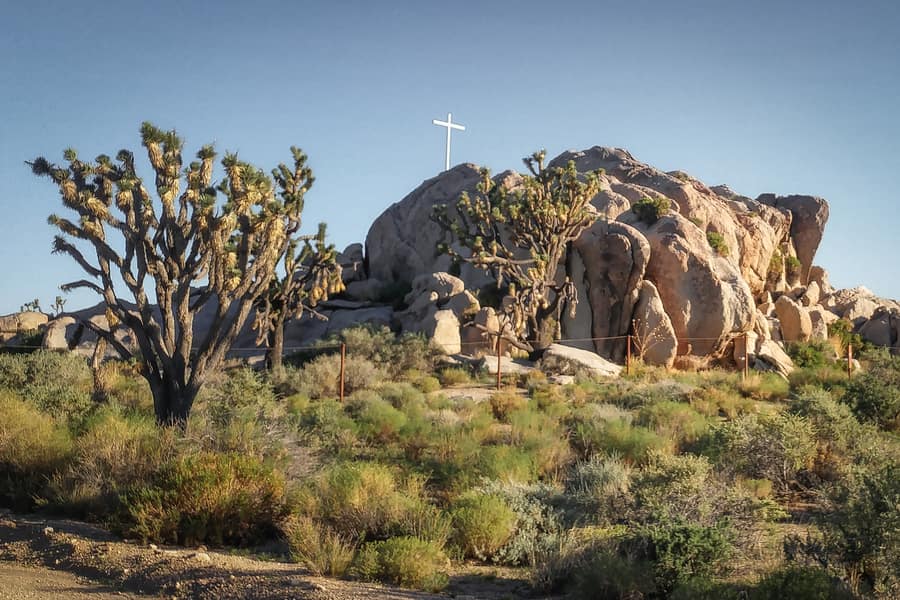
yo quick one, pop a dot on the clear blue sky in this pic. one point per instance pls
(787, 97)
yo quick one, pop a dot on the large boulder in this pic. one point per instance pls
(654, 335)
(796, 325)
(704, 294)
(883, 329)
(567, 360)
(809, 215)
(402, 241)
(608, 265)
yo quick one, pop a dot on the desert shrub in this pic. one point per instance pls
(681, 550)
(427, 383)
(33, 446)
(609, 575)
(320, 377)
(204, 498)
(673, 485)
(402, 395)
(362, 499)
(602, 482)
(454, 376)
(775, 447)
(717, 242)
(799, 583)
(508, 463)
(633, 443)
(380, 422)
(58, 383)
(317, 547)
(114, 453)
(842, 335)
(537, 524)
(426, 522)
(831, 377)
(327, 422)
(379, 345)
(841, 439)
(861, 527)
(649, 210)
(792, 267)
(543, 437)
(676, 421)
(765, 386)
(405, 561)
(810, 355)
(505, 402)
(483, 523)
(874, 394)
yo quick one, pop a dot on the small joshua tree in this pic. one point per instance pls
(521, 237)
(311, 271)
(171, 244)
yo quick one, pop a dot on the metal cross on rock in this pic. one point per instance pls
(449, 124)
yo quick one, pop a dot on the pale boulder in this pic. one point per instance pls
(655, 338)
(366, 289)
(812, 294)
(55, 336)
(882, 328)
(560, 358)
(809, 216)
(442, 328)
(796, 326)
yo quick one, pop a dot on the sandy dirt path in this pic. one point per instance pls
(19, 582)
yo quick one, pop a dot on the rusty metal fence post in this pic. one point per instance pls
(628, 355)
(498, 362)
(343, 360)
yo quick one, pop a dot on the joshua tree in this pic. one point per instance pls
(181, 240)
(311, 271)
(521, 236)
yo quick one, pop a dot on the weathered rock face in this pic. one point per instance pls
(654, 335)
(704, 295)
(796, 325)
(807, 225)
(566, 359)
(608, 266)
(402, 241)
(883, 329)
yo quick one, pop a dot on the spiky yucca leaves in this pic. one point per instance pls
(311, 272)
(172, 242)
(521, 237)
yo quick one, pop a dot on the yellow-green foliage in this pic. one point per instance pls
(405, 561)
(113, 453)
(33, 446)
(675, 421)
(455, 376)
(483, 524)
(505, 402)
(205, 498)
(765, 386)
(317, 547)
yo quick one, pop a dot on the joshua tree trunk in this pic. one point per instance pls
(275, 351)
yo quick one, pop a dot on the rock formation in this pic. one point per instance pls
(716, 266)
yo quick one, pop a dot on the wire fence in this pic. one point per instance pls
(496, 345)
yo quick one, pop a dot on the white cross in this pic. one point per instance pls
(449, 124)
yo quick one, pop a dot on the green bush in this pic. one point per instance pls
(799, 583)
(33, 447)
(114, 453)
(484, 524)
(649, 210)
(317, 547)
(379, 422)
(810, 355)
(204, 498)
(607, 574)
(861, 527)
(328, 422)
(361, 499)
(603, 482)
(717, 242)
(874, 394)
(792, 267)
(505, 402)
(455, 376)
(633, 444)
(676, 421)
(405, 561)
(681, 551)
(58, 383)
(320, 377)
